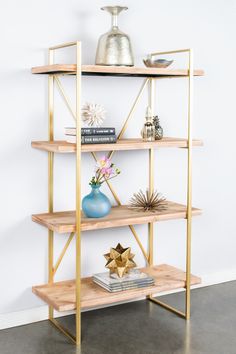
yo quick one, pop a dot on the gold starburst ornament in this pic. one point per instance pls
(120, 260)
(148, 201)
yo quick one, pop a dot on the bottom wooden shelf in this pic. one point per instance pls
(61, 295)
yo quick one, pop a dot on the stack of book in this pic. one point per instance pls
(92, 135)
(134, 279)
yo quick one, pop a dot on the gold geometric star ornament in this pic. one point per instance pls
(120, 260)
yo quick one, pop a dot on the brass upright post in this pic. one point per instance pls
(50, 172)
(190, 73)
(189, 187)
(151, 171)
(78, 193)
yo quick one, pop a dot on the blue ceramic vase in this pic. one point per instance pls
(96, 204)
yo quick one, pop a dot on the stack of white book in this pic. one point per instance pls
(134, 279)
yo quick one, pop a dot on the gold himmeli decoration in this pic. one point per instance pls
(119, 260)
(148, 202)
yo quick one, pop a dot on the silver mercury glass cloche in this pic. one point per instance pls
(114, 47)
(148, 131)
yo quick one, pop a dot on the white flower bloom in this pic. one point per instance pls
(93, 114)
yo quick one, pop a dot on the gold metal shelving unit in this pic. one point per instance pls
(83, 293)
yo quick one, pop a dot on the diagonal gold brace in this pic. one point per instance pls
(64, 95)
(112, 152)
(58, 262)
(167, 307)
(130, 226)
(139, 242)
(130, 113)
(63, 330)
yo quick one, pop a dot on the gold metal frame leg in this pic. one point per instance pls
(151, 100)
(77, 117)
(151, 188)
(50, 267)
(78, 194)
(50, 173)
(186, 315)
(189, 186)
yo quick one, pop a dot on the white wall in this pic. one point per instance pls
(27, 28)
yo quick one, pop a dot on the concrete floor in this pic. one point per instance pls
(141, 327)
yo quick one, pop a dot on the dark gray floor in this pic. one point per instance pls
(140, 328)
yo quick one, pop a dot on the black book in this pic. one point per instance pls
(91, 131)
(93, 139)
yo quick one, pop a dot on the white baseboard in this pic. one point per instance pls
(37, 314)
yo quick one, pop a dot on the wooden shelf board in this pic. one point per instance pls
(97, 70)
(64, 221)
(122, 144)
(61, 295)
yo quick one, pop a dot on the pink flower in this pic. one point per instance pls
(104, 171)
(104, 162)
(107, 171)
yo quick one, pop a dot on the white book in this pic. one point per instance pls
(125, 283)
(133, 277)
(91, 131)
(122, 288)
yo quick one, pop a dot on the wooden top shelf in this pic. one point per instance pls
(64, 221)
(61, 295)
(98, 70)
(123, 144)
